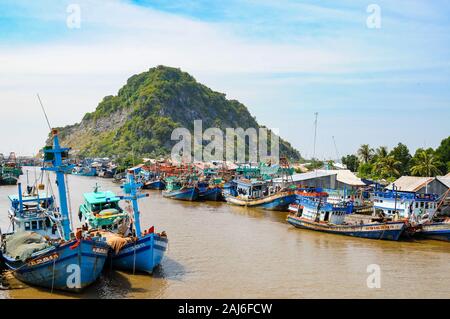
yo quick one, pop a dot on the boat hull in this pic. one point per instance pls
(143, 255)
(158, 185)
(186, 194)
(278, 202)
(57, 268)
(210, 194)
(385, 231)
(437, 231)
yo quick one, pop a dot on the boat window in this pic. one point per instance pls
(41, 224)
(422, 204)
(47, 222)
(426, 205)
(27, 226)
(417, 204)
(34, 224)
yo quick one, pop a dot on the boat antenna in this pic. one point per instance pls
(43, 110)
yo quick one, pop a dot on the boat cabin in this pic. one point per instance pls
(34, 213)
(102, 210)
(253, 189)
(404, 204)
(322, 211)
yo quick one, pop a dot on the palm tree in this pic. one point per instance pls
(389, 166)
(426, 164)
(381, 152)
(365, 153)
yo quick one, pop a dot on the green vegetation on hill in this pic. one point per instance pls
(142, 116)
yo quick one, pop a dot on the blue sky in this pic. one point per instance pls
(284, 59)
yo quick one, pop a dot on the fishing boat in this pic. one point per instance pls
(257, 193)
(131, 249)
(10, 172)
(42, 250)
(433, 226)
(210, 190)
(317, 214)
(180, 189)
(85, 171)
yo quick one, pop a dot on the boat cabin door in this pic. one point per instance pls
(326, 217)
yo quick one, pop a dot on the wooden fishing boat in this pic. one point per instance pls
(210, 190)
(256, 193)
(180, 190)
(318, 215)
(131, 249)
(42, 250)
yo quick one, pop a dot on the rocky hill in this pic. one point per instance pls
(142, 116)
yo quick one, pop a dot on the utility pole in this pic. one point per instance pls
(315, 134)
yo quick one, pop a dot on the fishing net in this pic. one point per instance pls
(115, 241)
(22, 245)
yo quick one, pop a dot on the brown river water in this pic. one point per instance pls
(221, 251)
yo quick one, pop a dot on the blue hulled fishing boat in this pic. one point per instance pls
(435, 230)
(209, 191)
(147, 250)
(131, 249)
(314, 213)
(156, 184)
(42, 250)
(177, 189)
(257, 193)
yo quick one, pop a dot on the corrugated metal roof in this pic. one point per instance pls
(347, 177)
(444, 180)
(309, 175)
(411, 183)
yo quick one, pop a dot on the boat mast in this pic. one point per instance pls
(130, 188)
(57, 166)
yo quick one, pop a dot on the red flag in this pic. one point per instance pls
(151, 230)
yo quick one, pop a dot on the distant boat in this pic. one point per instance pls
(315, 213)
(180, 190)
(257, 193)
(210, 190)
(42, 250)
(85, 171)
(157, 184)
(10, 173)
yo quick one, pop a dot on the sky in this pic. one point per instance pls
(377, 72)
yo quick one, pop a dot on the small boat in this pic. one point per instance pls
(316, 214)
(257, 193)
(42, 250)
(180, 190)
